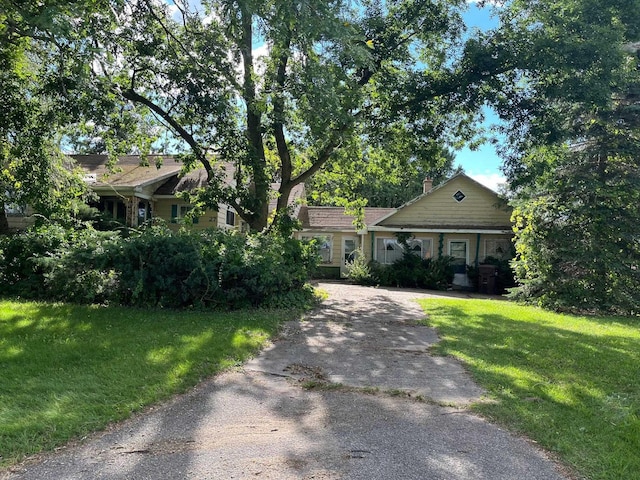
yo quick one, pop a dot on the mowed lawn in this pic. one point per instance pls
(67, 370)
(570, 383)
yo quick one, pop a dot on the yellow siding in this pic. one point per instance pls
(162, 209)
(479, 208)
(470, 238)
(336, 244)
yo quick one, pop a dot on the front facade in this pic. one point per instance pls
(132, 193)
(460, 218)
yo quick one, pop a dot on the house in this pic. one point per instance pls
(460, 218)
(132, 192)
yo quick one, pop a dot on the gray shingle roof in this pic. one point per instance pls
(127, 172)
(318, 218)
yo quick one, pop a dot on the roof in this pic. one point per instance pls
(176, 184)
(162, 175)
(127, 172)
(319, 218)
(297, 192)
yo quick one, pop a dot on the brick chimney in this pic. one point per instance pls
(426, 184)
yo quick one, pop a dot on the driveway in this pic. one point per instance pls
(381, 408)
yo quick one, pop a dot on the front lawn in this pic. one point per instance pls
(70, 370)
(570, 383)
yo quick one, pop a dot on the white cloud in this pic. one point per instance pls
(492, 180)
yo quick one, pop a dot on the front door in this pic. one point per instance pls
(349, 247)
(459, 251)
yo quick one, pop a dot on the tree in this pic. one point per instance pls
(386, 176)
(31, 169)
(577, 217)
(285, 88)
(321, 89)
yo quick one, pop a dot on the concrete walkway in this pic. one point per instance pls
(397, 413)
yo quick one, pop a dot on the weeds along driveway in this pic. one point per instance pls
(383, 408)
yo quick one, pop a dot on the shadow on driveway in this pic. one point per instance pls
(397, 412)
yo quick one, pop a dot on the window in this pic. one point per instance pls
(500, 248)
(349, 249)
(144, 212)
(459, 196)
(14, 210)
(231, 217)
(324, 244)
(179, 212)
(388, 250)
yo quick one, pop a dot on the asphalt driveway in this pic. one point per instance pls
(382, 408)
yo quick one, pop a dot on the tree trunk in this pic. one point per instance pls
(4, 222)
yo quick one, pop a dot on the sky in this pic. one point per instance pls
(482, 164)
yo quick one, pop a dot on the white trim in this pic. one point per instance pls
(332, 230)
(439, 230)
(464, 196)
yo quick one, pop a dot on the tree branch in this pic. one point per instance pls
(135, 97)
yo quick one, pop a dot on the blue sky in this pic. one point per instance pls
(482, 164)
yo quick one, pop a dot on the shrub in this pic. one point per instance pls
(358, 270)
(24, 259)
(155, 267)
(414, 272)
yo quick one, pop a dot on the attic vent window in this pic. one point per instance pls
(459, 196)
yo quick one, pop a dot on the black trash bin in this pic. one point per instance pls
(487, 279)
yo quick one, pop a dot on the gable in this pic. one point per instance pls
(127, 172)
(480, 208)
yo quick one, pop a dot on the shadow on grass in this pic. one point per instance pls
(571, 383)
(68, 370)
(257, 424)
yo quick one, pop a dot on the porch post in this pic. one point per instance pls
(373, 243)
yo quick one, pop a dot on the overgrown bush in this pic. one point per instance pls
(358, 270)
(411, 271)
(155, 267)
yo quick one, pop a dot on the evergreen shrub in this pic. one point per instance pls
(411, 271)
(154, 267)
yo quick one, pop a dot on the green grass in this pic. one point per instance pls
(67, 370)
(570, 383)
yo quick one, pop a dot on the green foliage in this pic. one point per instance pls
(375, 93)
(576, 222)
(358, 269)
(411, 271)
(155, 267)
